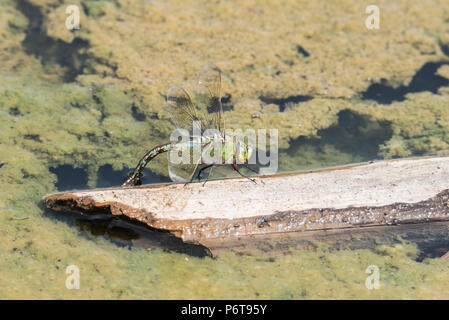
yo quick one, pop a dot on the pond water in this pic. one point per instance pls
(78, 109)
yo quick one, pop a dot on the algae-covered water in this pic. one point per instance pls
(78, 108)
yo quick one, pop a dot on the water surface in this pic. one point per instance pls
(78, 108)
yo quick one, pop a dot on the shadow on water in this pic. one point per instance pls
(125, 232)
(71, 178)
(354, 138)
(284, 102)
(302, 51)
(71, 56)
(425, 79)
(137, 114)
(357, 134)
(107, 177)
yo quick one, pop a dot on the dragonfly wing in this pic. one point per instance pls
(182, 162)
(184, 171)
(208, 97)
(183, 113)
(205, 112)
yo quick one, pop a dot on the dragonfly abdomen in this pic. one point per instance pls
(150, 155)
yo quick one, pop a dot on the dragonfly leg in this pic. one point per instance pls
(138, 181)
(247, 167)
(198, 176)
(201, 171)
(234, 166)
(208, 175)
(190, 181)
(192, 175)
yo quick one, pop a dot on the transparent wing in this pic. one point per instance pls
(208, 97)
(184, 171)
(184, 114)
(205, 113)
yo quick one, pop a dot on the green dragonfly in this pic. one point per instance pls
(206, 145)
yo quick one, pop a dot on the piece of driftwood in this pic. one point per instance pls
(364, 195)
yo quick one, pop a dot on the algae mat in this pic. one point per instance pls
(78, 108)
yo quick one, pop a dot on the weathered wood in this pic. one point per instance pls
(371, 194)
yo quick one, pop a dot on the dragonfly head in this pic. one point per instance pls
(245, 152)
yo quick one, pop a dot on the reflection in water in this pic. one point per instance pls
(432, 239)
(125, 232)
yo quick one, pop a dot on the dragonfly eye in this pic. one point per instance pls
(244, 152)
(249, 153)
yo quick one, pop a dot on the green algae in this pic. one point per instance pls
(69, 124)
(33, 268)
(79, 112)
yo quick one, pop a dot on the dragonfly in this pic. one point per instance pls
(203, 122)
